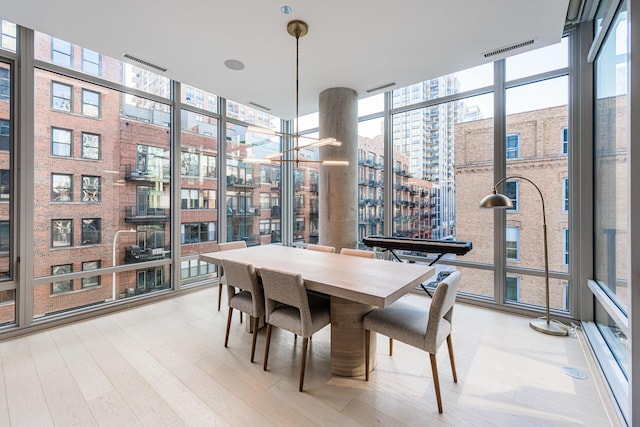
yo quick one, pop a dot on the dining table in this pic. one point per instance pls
(355, 285)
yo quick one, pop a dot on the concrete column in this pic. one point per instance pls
(338, 187)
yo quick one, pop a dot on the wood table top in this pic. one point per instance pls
(369, 281)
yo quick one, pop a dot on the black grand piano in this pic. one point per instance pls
(440, 247)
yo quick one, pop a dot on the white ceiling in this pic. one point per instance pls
(360, 44)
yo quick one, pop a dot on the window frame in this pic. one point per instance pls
(67, 283)
(509, 150)
(55, 143)
(517, 243)
(97, 224)
(55, 198)
(93, 281)
(85, 148)
(86, 104)
(54, 97)
(87, 190)
(69, 233)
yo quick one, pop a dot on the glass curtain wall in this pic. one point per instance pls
(252, 188)
(611, 205)
(198, 185)
(7, 285)
(101, 183)
(537, 149)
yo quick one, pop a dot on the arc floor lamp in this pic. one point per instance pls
(500, 201)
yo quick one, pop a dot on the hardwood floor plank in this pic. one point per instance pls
(26, 402)
(164, 364)
(65, 400)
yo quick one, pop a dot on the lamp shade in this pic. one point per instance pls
(496, 201)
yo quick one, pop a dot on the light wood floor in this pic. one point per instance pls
(165, 364)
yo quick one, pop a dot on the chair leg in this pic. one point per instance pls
(451, 358)
(390, 346)
(305, 342)
(267, 342)
(226, 337)
(436, 382)
(240, 317)
(254, 323)
(367, 350)
(219, 296)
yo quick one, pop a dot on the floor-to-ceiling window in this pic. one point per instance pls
(7, 272)
(611, 203)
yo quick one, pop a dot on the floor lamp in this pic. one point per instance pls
(500, 201)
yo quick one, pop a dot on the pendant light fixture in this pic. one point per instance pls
(297, 29)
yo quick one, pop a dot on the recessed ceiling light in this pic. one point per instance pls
(285, 10)
(234, 64)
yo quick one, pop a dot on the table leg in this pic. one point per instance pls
(347, 338)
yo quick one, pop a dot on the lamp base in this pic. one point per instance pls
(553, 327)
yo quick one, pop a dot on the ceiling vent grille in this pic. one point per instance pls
(262, 107)
(508, 48)
(143, 62)
(384, 86)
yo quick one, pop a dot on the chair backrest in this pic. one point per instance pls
(321, 248)
(442, 303)
(357, 252)
(232, 245)
(242, 275)
(286, 288)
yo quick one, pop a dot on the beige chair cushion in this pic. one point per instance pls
(243, 276)
(422, 327)
(357, 252)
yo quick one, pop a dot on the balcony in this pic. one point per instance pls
(248, 211)
(131, 173)
(135, 253)
(145, 214)
(235, 182)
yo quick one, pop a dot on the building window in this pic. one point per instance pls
(198, 232)
(90, 146)
(61, 52)
(61, 142)
(265, 226)
(93, 281)
(8, 36)
(61, 97)
(565, 195)
(91, 231)
(63, 285)
(190, 164)
(5, 185)
(512, 192)
(5, 233)
(90, 62)
(61, 188)
(5, 135)
(513, 146)
(565, 295)
(264, 200)
(61, 232)
(90, 103)
(5, 83)
(208, 166)
(189, 198)
(513, 243)
(565, 140)
(565, 246)
(91, 190)
(512, 289)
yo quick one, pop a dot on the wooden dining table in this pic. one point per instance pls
(355, 285)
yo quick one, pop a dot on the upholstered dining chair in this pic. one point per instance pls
(421, 327)
(321, 248)
(245, 294)
(357, 252)
(289, 306)
(223, 280)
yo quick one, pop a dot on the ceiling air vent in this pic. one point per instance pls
(262, 107)
(143, 62)
(384, 86)
(508, 48)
